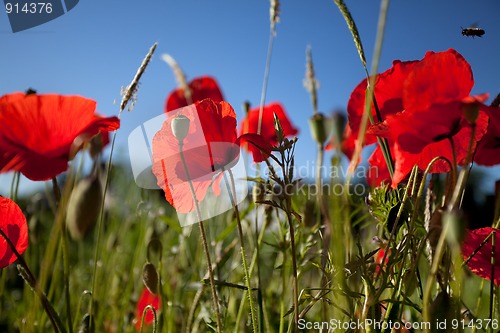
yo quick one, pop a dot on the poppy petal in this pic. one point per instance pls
(37, 132)
(388, 94)
(250, 124)
(378, 173)
(210, 147)
(14, 226)
(201, 88)
(438, 79)
(258, 145)
(480, 263)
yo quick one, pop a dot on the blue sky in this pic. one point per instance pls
(95, 49)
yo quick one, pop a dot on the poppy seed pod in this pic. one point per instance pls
(180, 127)
(321, 127)
(84, 206)
(150, 277)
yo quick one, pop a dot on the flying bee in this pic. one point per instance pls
(473, 31)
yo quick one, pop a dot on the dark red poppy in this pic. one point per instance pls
(200, 88)
(488, 149)
(39, 134)
(210, 147)
(14, 226)
(421, 103)
(147, 298)
(480, 262)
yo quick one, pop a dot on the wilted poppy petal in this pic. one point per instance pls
(146, 298)
(480, 263)
(201, 88)
(14, 226)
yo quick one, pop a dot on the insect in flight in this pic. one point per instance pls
(473, 31)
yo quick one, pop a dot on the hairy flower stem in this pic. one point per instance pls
(294, 266)
(65, 254)
(30, 279)
(14, 186)
(215, 299)
(127, 96)
(287, 176)
(232, 197)
(155, 319)
(254, 264)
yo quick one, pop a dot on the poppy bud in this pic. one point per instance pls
(471, 111)
(96, 145)
(339, 123)
(180, 127)
(280, 134)
(150, 277)
(320, 127)
(85, 326)
(84, 206)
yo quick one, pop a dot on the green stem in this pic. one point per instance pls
(31, 280)
(232, 197)
(155, 319)
(65, 255)
(254, 264)
(215, 299)
(99, 229)
(294, 267)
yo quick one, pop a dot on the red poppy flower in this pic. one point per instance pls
(480, 263)
(421, 103)
(211, 146)
(147, 298)
(488, 149)
(14, 226)
(388, 92)
(251, 123)
(201, 87)
(39, 134)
